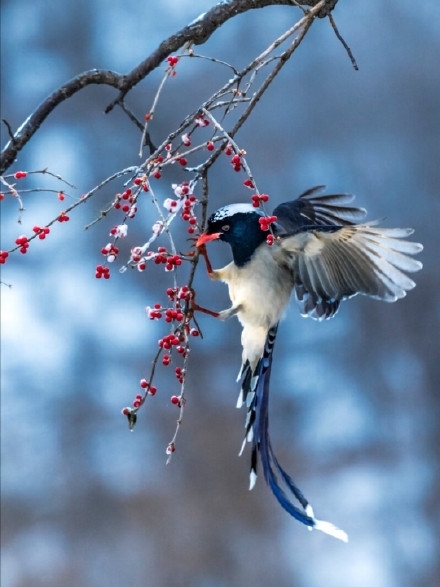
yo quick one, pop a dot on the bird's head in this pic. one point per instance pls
(238, 225)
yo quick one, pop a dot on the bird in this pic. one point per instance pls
(319, 248)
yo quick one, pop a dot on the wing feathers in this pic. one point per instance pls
(312, 209)
(332, 265)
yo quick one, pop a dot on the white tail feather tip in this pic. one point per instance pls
(240, 399)
(252, 479)
(331, 530)
(242, 448)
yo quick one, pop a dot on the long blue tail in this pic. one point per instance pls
(255, 394)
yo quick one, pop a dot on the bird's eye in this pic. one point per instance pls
(225, 228)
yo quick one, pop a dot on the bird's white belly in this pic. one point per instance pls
(260, 290)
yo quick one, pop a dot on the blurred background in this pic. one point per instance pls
(355, 401)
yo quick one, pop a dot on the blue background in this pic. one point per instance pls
(355, 400)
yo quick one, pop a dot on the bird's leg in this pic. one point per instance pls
(202, 251)
(229, 312)
(223, 315)
(196, 308)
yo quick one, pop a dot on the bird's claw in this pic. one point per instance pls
(194, 307)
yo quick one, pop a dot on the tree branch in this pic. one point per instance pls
(196, 33)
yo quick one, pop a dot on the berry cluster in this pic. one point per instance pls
(180, 374)
(41, 232)
(3, 256)
(162, 256)
(236, 162)
(170, 340)
(176, 295)
(63, 217)
(172, 60)
(258, 198)
(150, 389)
(23, 242)
(170, 314)
(188, 213)
(110, 251)
(102, 271)
(119, 231)
(181, 293)
(143, 182)
(266, 221)
(200, 120)
(138, 401)
(126, 202)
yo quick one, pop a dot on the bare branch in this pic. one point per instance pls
(195, 33)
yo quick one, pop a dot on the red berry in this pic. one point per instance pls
(172, 60)
(20, 174)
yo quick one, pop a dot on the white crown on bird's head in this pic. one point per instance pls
(231, 210)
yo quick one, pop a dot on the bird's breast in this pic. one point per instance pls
(261, 289)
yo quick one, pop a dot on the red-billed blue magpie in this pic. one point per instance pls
(318, 249)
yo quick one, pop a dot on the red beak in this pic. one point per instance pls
(205, 238)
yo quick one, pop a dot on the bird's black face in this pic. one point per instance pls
(238, 225)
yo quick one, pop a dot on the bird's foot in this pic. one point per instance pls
(194, 306)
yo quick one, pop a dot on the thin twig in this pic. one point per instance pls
(342, 40)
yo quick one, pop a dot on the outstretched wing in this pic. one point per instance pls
(331, 263)
(313, 209)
